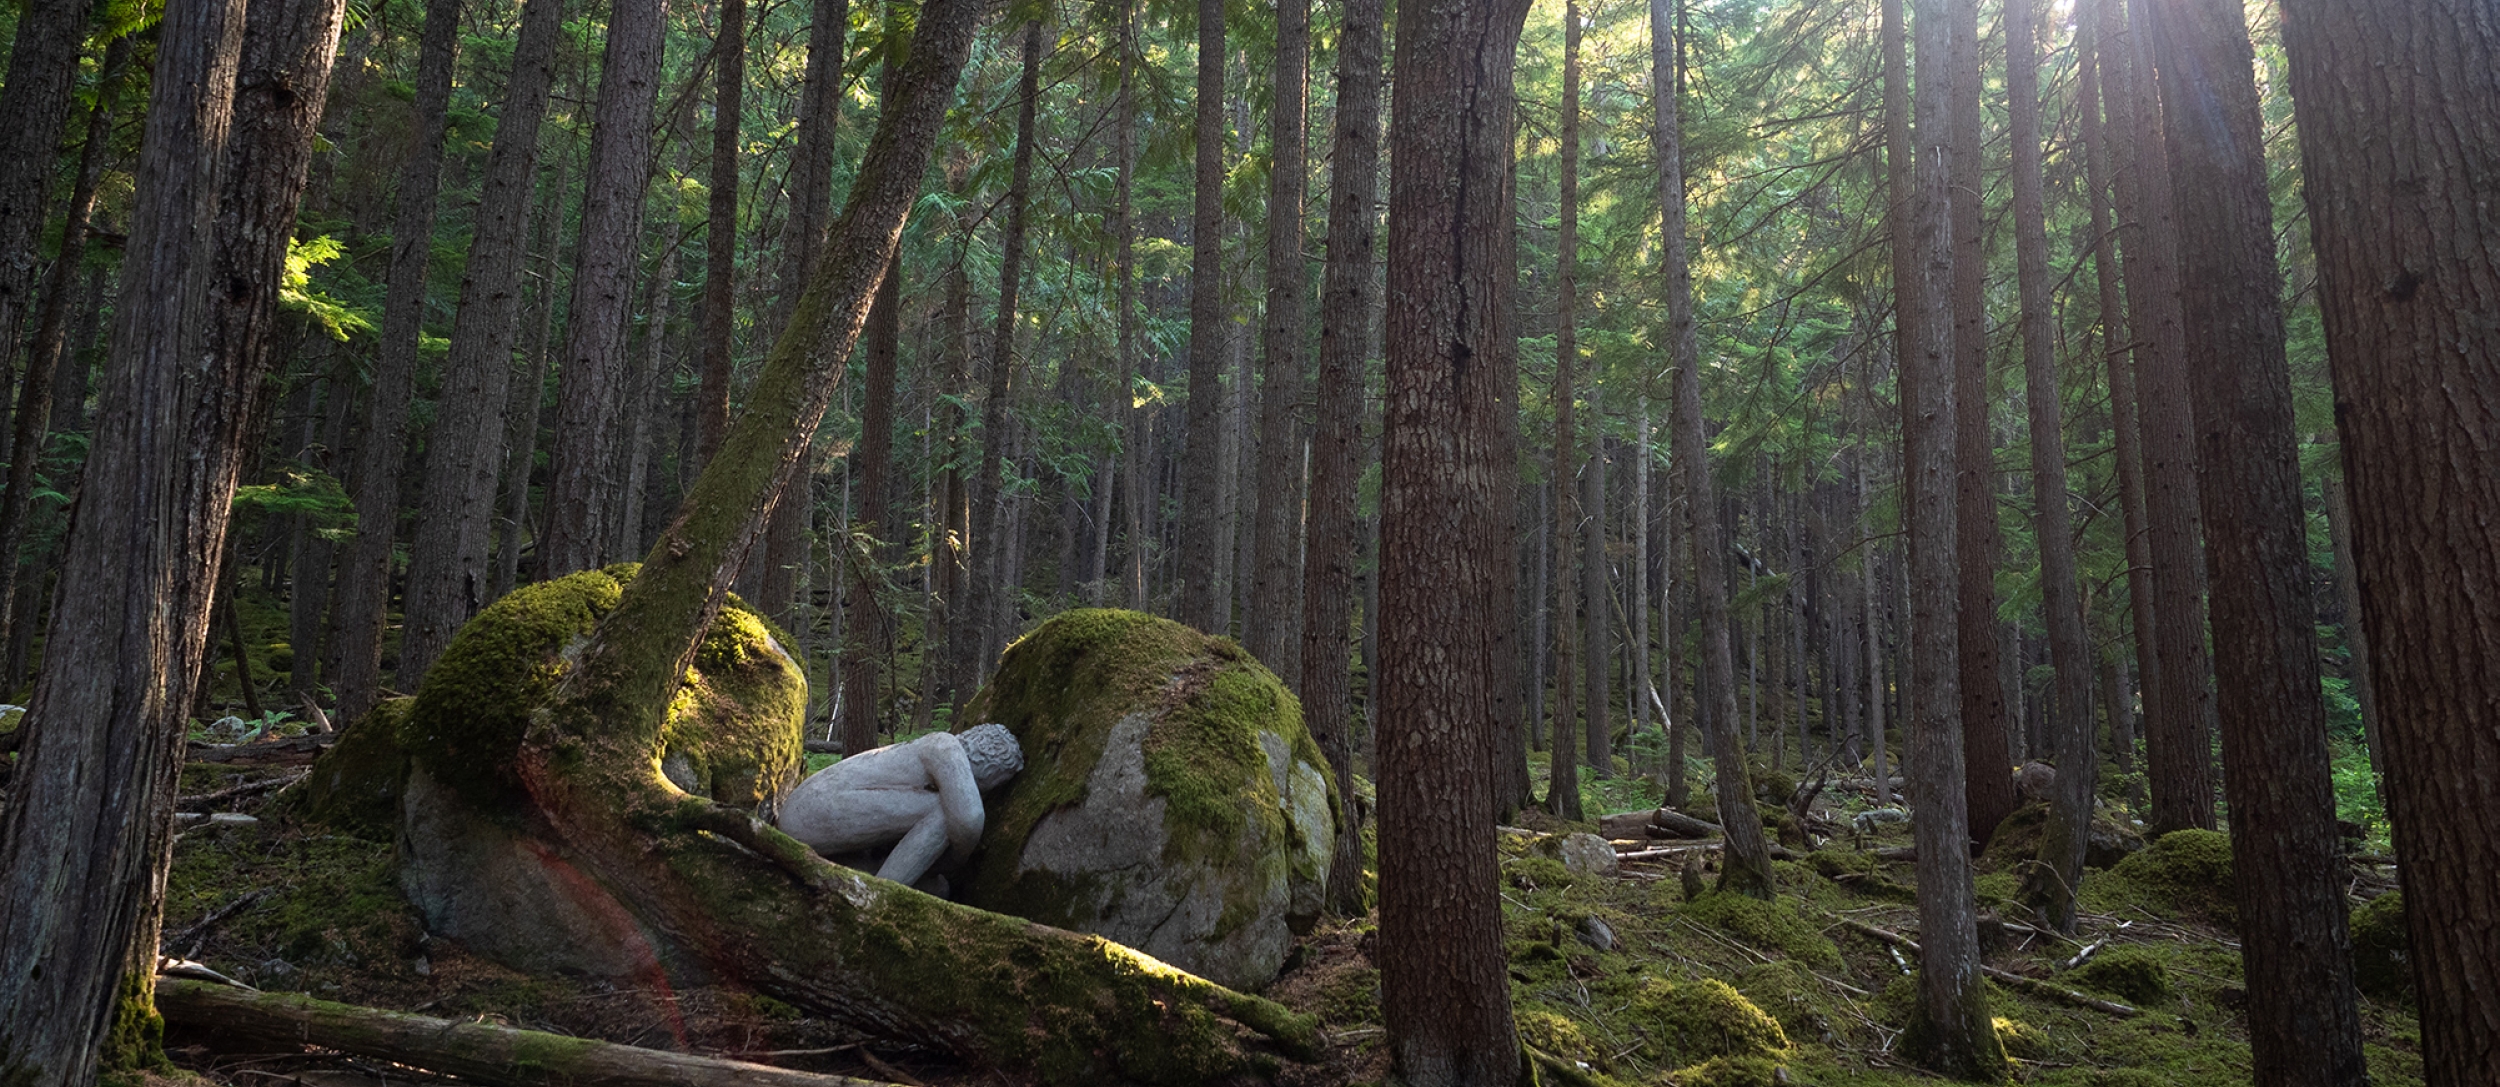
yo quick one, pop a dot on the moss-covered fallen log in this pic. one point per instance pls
(482, 1052)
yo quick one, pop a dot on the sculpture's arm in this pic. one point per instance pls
(959, 796)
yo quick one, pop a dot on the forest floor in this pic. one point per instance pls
(1610, 973)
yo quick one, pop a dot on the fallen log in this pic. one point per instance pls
(2034, 986)
(1670, 823)
(291, 751)
(481, 1052)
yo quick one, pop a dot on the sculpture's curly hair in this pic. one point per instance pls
(993, 752)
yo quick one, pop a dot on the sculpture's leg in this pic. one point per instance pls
(917, 851)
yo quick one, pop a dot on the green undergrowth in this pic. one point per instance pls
(1839, 1000)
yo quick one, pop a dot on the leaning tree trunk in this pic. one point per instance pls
(2399, 115)
(758, 907)
(2049, 885)
(448, 579)
(1345, 338)
(2303, 1028)
(86, 831)
(1748, 869)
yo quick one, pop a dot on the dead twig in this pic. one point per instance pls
(2034, 986)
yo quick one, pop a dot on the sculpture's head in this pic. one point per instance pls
(994, 754)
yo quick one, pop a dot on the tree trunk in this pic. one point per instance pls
(1273, 633)
(1748, 869)
(1666, 70)
(989, 561)
(1452, 260)
(720, 246)
(521, 411)
(2116, 343)
(1953, 1033)
(586, 462)
(764, 575)
(2303, 1028)
(448, 577)
(1345, 338)
(949, 577)
(1135, 423)
(1199, 603)
(2179, 742)
(1583, 512)
(1989, 785)
(1562, 789)
(2049, 886)
(43, 70)
(860, 550)
(2399, 115)
(86, 830)
(363, 596)
(31, 430)
(1639, 683)
(2338, 509)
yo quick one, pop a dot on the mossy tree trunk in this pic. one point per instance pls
(756, 906)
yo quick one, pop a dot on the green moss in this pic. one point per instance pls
(1536, 872)
(136, 1038)
(1555, 1034)
(355, 785)
(1730, 1072)
(2184, 871)
(2380, 949)
(1065, 686)
(1691, 1022)
(734, 726)
(2133, 974)
(2016, 839)
(1773, 925)
(1790, 994)
(2020, 1040)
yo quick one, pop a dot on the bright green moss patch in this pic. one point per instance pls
(1682, 1023)
(1771, 926)
(1730, 1072)
(1555, 1034)
(2133, 974)
(2020, 1040)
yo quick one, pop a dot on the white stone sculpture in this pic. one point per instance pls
(922, 798)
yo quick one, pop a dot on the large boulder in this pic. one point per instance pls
(470, 861)
(1171, 799)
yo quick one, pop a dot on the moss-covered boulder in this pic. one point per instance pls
(2134, 974)
(1687, 1023)
(1171, 799)
(355, 786)
(2185, 872)
(474, 867)
(2381, 950)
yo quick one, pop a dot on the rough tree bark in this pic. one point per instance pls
(1200, 600)
(1748, 868)
(868, 627)
(1989, 786)
(2399, 115)
(86, 831)
(1666, 69)
(754, 905)
(2302, 1025)
(448, 577)
(2179, 743)
(1444, 995)
(586, 460)
(363, 596)
(2049, 885)
(1273, 632)
(1953, 1033)
(1345, 337)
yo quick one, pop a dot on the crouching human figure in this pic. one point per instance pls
(917, 803)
